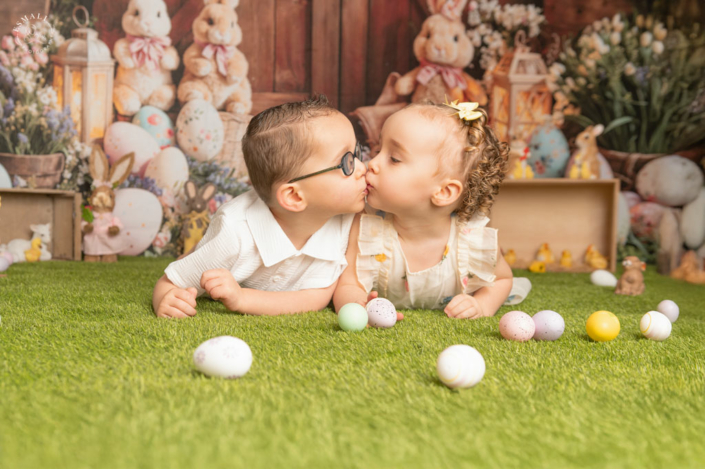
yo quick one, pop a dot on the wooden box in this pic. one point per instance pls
(567, 214)
(62, 209)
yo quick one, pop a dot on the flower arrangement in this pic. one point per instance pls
(640, 79)
(494, 27)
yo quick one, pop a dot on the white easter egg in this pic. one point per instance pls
(669, 309)
(655, 326)
(460, 366)
(693, 221)
(549, 325)
(381, 313)
(141, 215)
(122, 138)
(199, 130)
(223, 357)
(158, 124)
(169, 169)
(517, 325)
(603, 278)
(4, 264)
(5, 180)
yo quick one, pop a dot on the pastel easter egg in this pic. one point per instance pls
(670, 309)
(645, 219)
(672, 180)
(517, 325)
(141, 215)
(693, 221)
(5, 180)
(4, 264)
(169, 169)
(655, 326)
(352, 317)
(122, 138)
(460, 366)
(548, 151)
(223, 357)
(381, 313)
(549, 325)
(603, 278)
(199, 130)
(158, 124)
(8, 255)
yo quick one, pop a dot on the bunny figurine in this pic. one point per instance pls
(443, 50)
(215, 69)
(145, 59)
(586, 163)
(100, 234)
(197, 219)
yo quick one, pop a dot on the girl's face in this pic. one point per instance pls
(407, 171)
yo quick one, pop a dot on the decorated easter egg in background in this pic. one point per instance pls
(605, 169)
(549, 151)
(4, 264)
(517, 325)
(693, 221)
(158, 124)
(549, 325)
(669, 309)
(5, 180)
(352, 317)
(199, 130)
(655, 326)
(632, 198)
(122, 138)
(603, 278)
(8, 255)
(141, 215)
(169, 169)
(460, 366)
(645, 218)
(381, 313)
(672, 180)
(223, 357)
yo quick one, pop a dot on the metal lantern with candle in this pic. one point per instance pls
(519, 95)
(83, 80)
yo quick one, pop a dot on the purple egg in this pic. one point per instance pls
(381, 313)
(549, 325)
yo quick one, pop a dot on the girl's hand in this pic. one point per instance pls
(177, 303)
(373, 295)
(221, 286)
(464, 306)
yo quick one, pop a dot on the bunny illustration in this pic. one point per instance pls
(443, 50)
(100, 235)
(586, 164)
(215, 69)
(197, 219)
(145, 59)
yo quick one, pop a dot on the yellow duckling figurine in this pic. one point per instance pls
(594, 259)
(537, 267)
(510, 257)
(32, 254)
(545, 254)
(566, 259)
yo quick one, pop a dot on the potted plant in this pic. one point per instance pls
(643, 81)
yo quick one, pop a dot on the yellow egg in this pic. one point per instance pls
(602, 326)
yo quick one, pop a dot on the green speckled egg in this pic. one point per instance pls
(352, 317)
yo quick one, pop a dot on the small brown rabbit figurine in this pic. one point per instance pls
(632, 280)
(586, 164)
(197, 219)
(100, 233)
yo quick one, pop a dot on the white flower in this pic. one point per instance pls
(590, 63)
(475, 37)
(598, 44)
(657, 47)
(629, 69)
(534, 30)
(581, 81)
(556, 69)
(645, 39)
(660, 32)
(615, 38)
(571, 52)
(617, 23)
(571, 83)
(597, 25)
(606, 24)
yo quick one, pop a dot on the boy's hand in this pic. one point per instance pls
(178, 303)
(464, 306)
(373, 294)
(221, 286)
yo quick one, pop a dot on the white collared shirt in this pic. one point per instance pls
(245, 238)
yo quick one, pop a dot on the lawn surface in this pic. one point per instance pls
(89, 378)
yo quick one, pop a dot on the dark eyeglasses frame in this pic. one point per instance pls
(356, 155)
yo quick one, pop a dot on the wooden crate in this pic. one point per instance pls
(23, 207)
(565, 213)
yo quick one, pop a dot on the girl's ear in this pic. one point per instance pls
(448, 193)
(291, 197)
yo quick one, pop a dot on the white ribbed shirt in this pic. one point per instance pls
(245, 238)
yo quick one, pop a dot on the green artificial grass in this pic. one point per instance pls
(89, 378)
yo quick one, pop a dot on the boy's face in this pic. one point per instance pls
(332, 192)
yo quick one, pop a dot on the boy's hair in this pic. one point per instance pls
(484, 159)
(277, 143)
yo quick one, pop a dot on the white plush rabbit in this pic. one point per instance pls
(17, 247)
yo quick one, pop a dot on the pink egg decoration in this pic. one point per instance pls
(517, 325)
(381, 313)
(122, 138)
(645, 218)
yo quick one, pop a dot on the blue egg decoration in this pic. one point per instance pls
(157, 124)
(549, 152)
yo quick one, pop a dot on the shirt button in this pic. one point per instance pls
(276, 278)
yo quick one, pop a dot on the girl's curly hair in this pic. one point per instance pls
(484, 160)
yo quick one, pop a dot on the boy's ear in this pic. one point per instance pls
(448, 193)
(291, 197)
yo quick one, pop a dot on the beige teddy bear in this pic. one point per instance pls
(443, 50)
(215, 69)
(145, 59)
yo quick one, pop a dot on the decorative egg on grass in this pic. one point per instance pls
(199, 130)
(122, 138)
(140, 213)
(223, 357)
(517, 325)
(8, 255)
(381, 313)
(549, 325)
(669, 309)
(549, 151)
(602, 326)
(352, 317)
(655, 326)
(460, 366)
(603, 278)
(158, 124)
(4, 264)
(169, 169)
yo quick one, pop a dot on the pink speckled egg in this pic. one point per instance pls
(517, 325)
(645, 218)
(381, 313)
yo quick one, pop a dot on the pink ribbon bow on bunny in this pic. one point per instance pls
(452, 76)
(148, 50)
(222, 54)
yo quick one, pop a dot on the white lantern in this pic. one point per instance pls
(83, 80)
(519, 95)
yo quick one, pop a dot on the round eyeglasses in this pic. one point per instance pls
(347, 164)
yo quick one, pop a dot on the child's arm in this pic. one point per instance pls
(349, 289)
(170, 301)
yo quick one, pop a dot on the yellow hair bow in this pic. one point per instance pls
(466, 111)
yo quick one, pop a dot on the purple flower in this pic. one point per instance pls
(640, 75)
(9, 107)
(22, 138)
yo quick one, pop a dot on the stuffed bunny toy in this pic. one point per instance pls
(215, 69)
(145, 59)
(443, 50)
(41, 237)
(100, 231)
(586, 163)
(196, 221)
